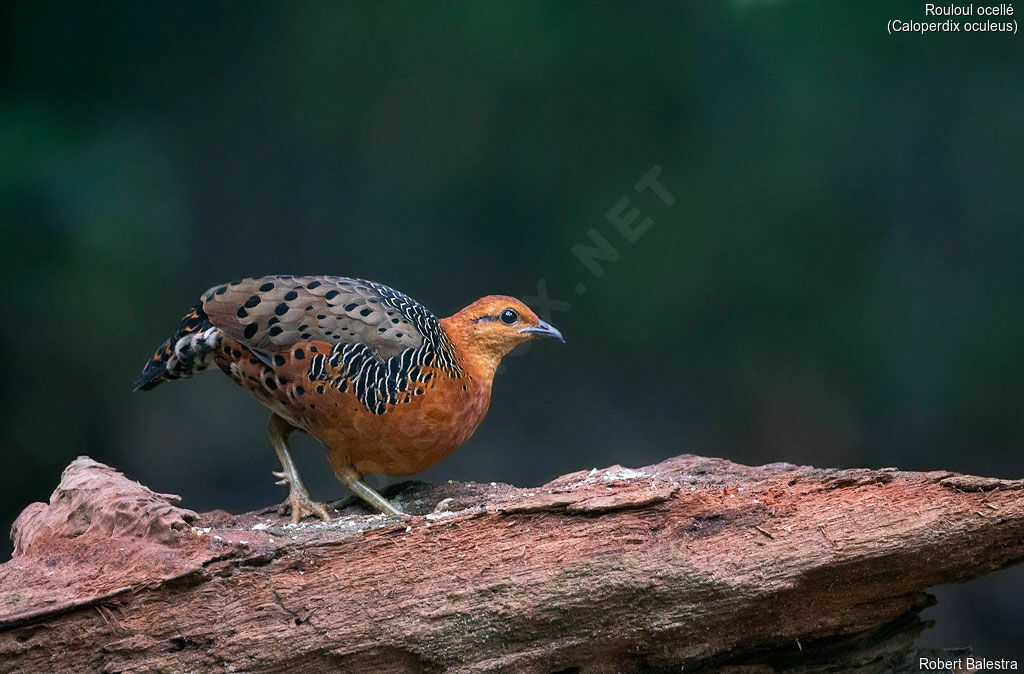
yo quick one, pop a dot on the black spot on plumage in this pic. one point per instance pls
(221, 290)
(313, 284)
(309, 307)
(320, 389)
(279, 360)
(299, 390)
(331, 295)
(250, 330)
(252, 301)
(376, 382)
(290, 295)
(313, 348)
(271, 384)
(241, 313)
(299, 354)
(266, 287)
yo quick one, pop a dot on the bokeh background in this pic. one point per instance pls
(838, 281)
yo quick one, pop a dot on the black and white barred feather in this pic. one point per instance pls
(385, 345)
(189, 351)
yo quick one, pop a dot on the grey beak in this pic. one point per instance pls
(543, 329)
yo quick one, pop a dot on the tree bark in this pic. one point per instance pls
(692, 562)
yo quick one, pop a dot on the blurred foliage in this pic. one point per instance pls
(838, 281)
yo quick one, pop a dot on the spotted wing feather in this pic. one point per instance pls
(271, 313)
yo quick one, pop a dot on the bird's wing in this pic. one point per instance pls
(271, 313)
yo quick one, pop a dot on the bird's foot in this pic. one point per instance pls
(299, 504)
(371, 496)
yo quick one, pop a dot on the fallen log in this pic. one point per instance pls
(694, 562)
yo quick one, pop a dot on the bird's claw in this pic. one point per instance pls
(300, 505)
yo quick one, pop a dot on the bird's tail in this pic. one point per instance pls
(188, 352)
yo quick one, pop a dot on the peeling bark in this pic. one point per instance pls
(692, 562)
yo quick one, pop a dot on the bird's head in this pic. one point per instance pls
(494, 325)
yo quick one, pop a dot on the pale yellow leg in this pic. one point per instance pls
(298, 501)
(354, 481)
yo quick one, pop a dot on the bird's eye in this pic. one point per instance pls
(509, 317)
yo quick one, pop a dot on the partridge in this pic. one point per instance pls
(378, 379)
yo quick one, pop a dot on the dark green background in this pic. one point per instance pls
(838, 281)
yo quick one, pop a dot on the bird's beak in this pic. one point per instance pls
(542, 329)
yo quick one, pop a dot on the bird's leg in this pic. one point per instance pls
(354, 481)
(298, 498)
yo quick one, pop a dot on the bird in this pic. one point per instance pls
(383, 383)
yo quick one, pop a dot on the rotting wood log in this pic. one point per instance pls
(694, 562)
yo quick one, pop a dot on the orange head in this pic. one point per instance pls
(492, 326)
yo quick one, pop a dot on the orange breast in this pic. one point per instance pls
(427, 425)
(409, 437)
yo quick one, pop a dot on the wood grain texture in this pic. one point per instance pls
(692, 562)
